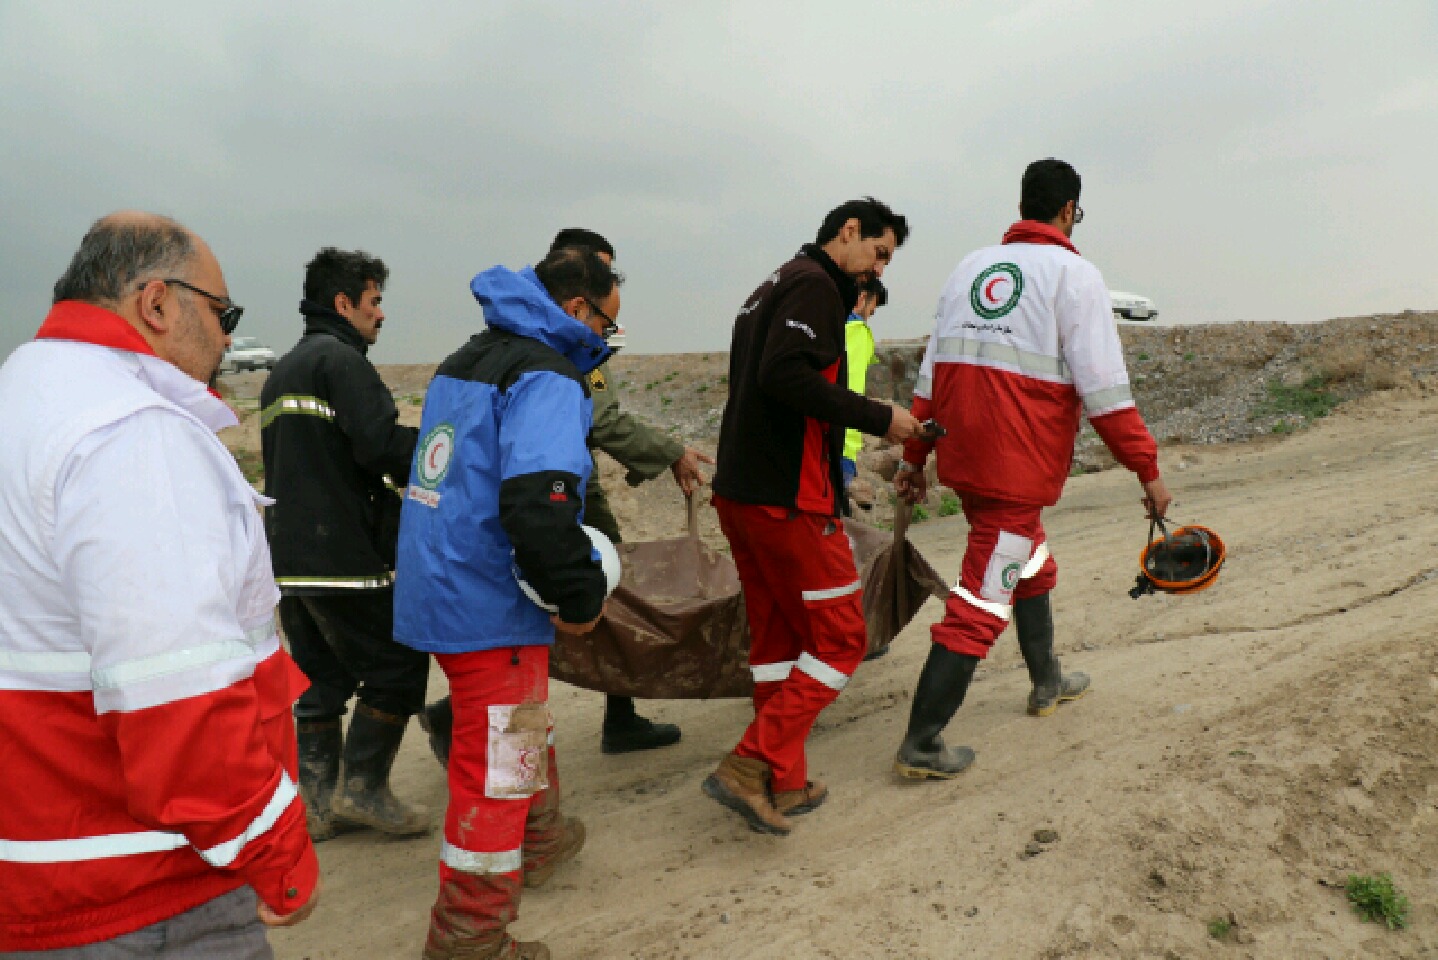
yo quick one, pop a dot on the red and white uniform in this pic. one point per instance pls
(1025, 345)
(145, 732)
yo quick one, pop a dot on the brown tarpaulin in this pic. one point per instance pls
(675, 627)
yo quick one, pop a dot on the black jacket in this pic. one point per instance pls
(782, 437)
(329, 433)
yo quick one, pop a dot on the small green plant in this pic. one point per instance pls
(1219, 928)
(1376, 900)
(1310, 400)
(651, 385)
(949, 505)
(666, 401)
(920, 514)
(1188, 358)
(1143, 356)
(671, 375)
(623, 384)
(724, 378)
(1283, 427)
(701, 388)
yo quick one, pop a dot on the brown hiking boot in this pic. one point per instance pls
(792, 803)
(570, 842)
(742, 785)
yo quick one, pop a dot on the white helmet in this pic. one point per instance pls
(608, 559)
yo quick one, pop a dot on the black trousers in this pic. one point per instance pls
(344, 643)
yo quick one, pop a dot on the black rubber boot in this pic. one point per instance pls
(437, 720)
(363, 795)
(320, 742)
(625, 731)
(1034, 623)
(940, 692)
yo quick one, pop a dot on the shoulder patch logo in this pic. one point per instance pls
(434, 455)
(996, 290)
(597, 381)
(807, 330)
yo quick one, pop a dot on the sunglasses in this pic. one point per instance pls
(230, 312)
(610, 326)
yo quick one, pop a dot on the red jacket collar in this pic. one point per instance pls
(87, 323)
(1032, 231)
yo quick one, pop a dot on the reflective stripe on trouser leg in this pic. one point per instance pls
(1006, 556)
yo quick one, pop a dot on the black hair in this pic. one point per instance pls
(875, 288)
(117, 251)
(1047, 185)
(333, 272)
(571, 272)
(874, 217)
(572, 237)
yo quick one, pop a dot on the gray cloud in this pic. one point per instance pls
(1241, 161)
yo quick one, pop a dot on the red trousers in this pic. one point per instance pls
(806, 624)
(503, 815)
(1007, 559)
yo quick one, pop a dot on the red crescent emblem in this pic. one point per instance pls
(989, 289)
(432, 452)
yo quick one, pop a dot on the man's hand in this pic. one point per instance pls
(912, 486)
(686, 470)
(576, 629)
(271, 919)
(904, 426)
(1156, 498)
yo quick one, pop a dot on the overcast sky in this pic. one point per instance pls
(1241, 160)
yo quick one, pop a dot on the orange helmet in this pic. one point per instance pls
(1185, 561)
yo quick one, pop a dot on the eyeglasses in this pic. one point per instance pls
(230, 312)
(611, 327)
(1078, 213)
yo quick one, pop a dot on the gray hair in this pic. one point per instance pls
(120, 249)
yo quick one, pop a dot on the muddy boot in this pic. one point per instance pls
(625, 731)
(809, 797)
(940, 691)
(543, 857)
(437, 720)
(742, 785)
(363, 794)
(470, 920)
(320, 742)
(1034, 623)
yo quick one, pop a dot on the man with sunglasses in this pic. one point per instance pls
(1025, 346)
(495, 495)
(148, 807)
(331, 440)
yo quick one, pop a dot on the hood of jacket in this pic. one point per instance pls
(322, 319)
(519, 304)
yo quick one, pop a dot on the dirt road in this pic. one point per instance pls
(1241, 749)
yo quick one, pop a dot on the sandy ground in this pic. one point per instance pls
(1242, 751)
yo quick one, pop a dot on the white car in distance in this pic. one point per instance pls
(1131, 306)
(247, 353)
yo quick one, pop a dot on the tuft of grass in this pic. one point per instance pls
(1376, 900)
(701, 388)
(651, 385)
(1219, 928)
(949, 505)
(665, 401)
(1188, 357)
(920, 514)
(1311, 400)
(1143, 356)
(724, 378)
(1283, 427)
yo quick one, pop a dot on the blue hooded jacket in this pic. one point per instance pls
(497, 484)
